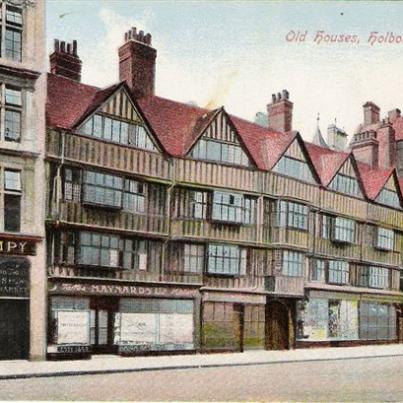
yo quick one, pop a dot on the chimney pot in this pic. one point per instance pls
(280, 112)
(394, 114)
(273, 98)
(57, 45)
(134, 33)
(371, 113)
(74, 47)
(69, 48)
(66, 63)
(148, 39)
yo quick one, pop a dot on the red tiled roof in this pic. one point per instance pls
(373, 180)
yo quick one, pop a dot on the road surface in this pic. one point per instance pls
(369, 379)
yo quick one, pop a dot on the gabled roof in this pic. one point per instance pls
(373, 180)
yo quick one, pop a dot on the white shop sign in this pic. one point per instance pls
(73, 327)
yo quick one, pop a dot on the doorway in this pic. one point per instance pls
(277, 326)
(102, 324)
(14, 329)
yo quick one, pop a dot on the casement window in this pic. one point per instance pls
(293, 215)
(343, 230)
(11, 109)
(318, 271)
(199, 203)
(99, 249)
(102, 189)
(373, 277)
(226, 259)
(12, 200)
(135, 254)
(389, 198)
(72, 184)
(11, 31)
(293, 263)
(134, 196)
(213, 150)
(377, 321)
(346, 184)
(234, 208)
(384, 238)
(338, 272)
(295, 168)
(118, 131)
(193, 258)
(67, 242)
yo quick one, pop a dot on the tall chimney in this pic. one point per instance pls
(64, 60)
(371, 113)
(280, 112)
(137, 63)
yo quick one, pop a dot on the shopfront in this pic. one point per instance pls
(14, 297)
(121, 319)
(338, 318)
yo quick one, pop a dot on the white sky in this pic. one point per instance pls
(235, 53)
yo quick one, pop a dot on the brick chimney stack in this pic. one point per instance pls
(371, 113)
(280, 112)
(137, 63)
(64, 61)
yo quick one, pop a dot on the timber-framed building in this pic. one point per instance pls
(175, 228)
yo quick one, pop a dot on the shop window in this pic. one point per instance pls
(213, 150)
(377, 321)
(112, 129)
(226, 259)
(11, 31)
(293, 215)
(373, 277)
(193, 258)
(339, 272)
(384, 239)
(134, 196)
(233, 208)
(102, 189)
(12, 201)
(99, 249)
(295, 168)
(293, 263)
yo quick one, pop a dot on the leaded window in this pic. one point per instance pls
(293, 263)
(72, 184)
(339, 272)
(343, 230)
(118, 131)
(134, 196)
(11, 31)
(226, 259)
(373, 277)
(134, 254)
(346, 184)
(193, 258)
(389, 198)
(199, 203)
(102, 189)
(318, 270)
(385, 239)
(12, 200)
(233, 207)
(213, 150)
(98, 249)
(293, 215)
(295, 168)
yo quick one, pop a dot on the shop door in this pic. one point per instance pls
(102, 325)
(14, 329)
(238, 325)
(277, 333)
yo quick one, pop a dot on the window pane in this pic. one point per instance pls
(12, 213)
(13, 44)
(12, 180)
(13, 97)
(12, 125)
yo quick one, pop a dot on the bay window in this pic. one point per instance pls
(373, 277)
(293, 263)
(98, 249)
(338, 272)
(226, 259)
(343, 230)
(234, 208)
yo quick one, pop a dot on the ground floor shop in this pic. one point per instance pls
(96, 318)
(331, 318)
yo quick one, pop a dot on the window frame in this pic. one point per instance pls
(292, 263)
(292, 215)
(227, 254)
(385, 242)
(15, 204)
(14, 27)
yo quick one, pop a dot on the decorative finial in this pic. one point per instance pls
(318, 119)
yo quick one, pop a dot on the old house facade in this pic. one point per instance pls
(175, 228)
(22, 129)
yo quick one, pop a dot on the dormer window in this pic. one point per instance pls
(346, 184)
(389, 198)
(295, 168)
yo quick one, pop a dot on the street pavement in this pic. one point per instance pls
(358, 379)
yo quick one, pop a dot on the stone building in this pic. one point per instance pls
(176, 228)
(22, 140)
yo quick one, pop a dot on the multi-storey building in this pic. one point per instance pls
(175, 228)
(22, 143)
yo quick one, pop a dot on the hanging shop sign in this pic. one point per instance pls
(14, 277)
(119, 290)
